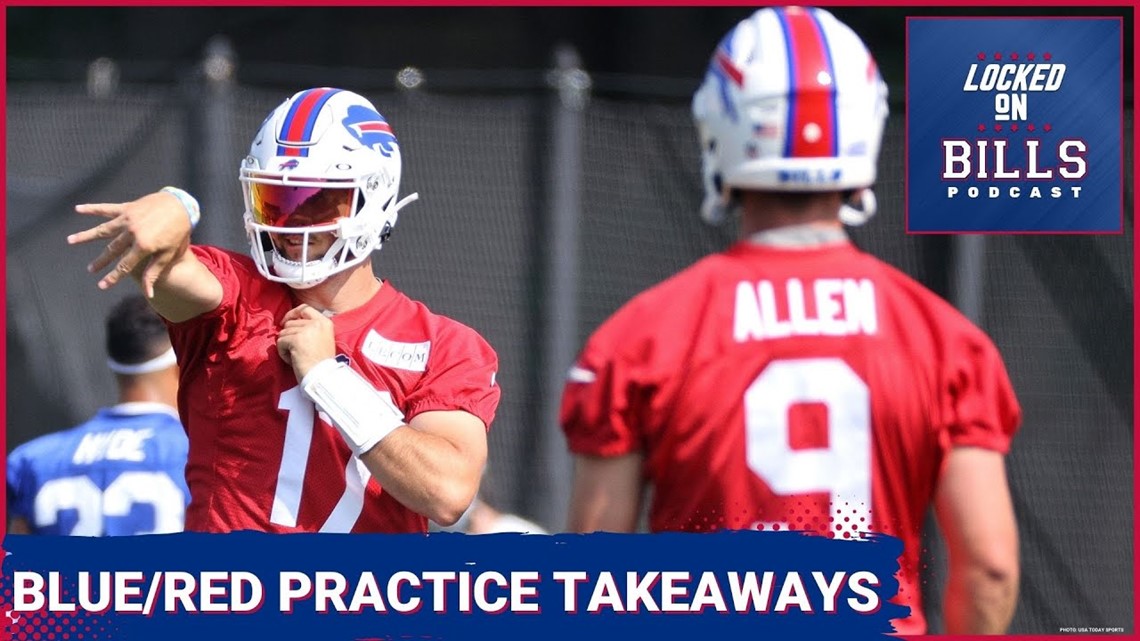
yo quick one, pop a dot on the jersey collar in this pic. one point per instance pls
(799, 237)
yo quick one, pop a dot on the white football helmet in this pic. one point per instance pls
(792, 101)
(324, 161)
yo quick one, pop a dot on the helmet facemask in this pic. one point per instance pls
(283, 213)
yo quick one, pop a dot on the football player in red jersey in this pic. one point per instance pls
(316, 397)
(793, 381)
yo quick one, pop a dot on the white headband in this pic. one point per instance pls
(160, 362)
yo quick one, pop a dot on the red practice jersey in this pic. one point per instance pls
(261, 457)
(790, 388)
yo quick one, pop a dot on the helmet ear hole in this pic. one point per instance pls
(361, 246)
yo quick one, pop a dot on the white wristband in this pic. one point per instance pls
(189, 203)
(362, 414)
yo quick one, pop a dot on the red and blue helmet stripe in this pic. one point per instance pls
(809, 101)
(726, 72)
(296, 130)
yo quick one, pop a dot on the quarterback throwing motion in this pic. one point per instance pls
(316, 397)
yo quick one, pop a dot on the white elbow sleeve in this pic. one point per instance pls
(362, 414)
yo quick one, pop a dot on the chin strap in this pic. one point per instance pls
(859, 208)
(718, 209)
(407, 200)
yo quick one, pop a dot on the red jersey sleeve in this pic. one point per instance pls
(229, 272)
(191, 338)
(606, 399)
(979, 404)
(460, 375)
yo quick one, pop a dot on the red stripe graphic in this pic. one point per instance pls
(375, 126)
(730, 70)
(300, 117)
(814, 104)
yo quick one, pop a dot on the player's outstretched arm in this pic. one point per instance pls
(606, 493)
(148, 238)
(975, 514)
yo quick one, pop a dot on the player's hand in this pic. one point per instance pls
(307, 337)
(146, 236)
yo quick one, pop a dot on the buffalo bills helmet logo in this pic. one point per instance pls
(370, 129)
(288, 164)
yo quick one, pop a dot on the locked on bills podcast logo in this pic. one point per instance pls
(1014, 125)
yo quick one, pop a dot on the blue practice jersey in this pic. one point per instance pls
(120, 473)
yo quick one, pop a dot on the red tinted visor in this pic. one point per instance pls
(288, 206)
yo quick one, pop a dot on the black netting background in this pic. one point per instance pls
(475, 247)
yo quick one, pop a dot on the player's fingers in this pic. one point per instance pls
(302, 311)
(283, 343)
(287, 333)
(114, 249)
(297, 324)
(157, 265)
(106, 230)
(124, 268)
(291, 314)
(286, 343)
(109, 210)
